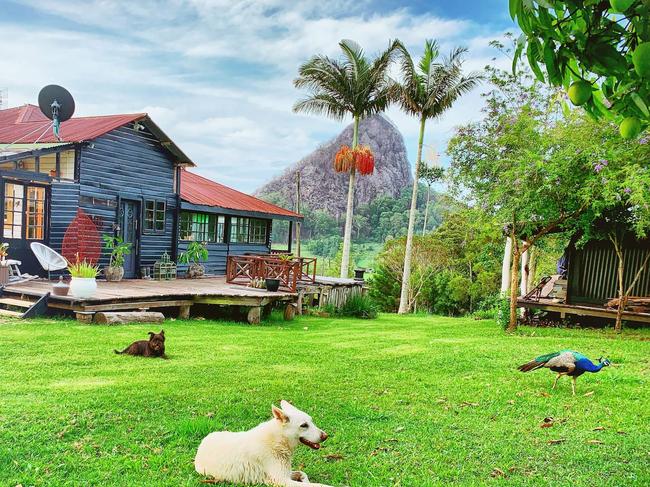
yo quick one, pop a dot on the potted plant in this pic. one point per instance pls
(84, 274)
(272, 284)
(114, 271)
(4, 265)
(195, 253)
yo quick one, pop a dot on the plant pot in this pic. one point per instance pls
(272, 284)
(4, 274)
(114, 274)
(358, 274)
(83, 287)
(195, 270)
(60, 288)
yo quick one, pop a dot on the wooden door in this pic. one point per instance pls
(129, 222)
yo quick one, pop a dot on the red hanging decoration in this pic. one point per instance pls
(344, 159)
(81, 241)
(364, 160)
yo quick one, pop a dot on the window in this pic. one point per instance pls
(57, 165)
(201, 227)
(248, 230)
(154, 216)
(238, 230)
(257, 232)
(35, 213)
(13, 218)
(24, 204)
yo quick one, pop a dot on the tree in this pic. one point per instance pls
(598, 50)
(526, 164)
(427, 91)
(354, 85)
(622, 212)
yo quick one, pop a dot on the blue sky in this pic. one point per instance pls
(217, 75)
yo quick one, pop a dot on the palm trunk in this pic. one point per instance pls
(406, 276)
(426, 210)
(347, 234)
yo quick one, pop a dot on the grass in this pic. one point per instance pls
(407, 401)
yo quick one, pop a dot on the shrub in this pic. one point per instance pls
(359, 306)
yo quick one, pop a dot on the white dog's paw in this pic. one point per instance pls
(299, 476)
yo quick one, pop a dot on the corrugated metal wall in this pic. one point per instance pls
(593, 268)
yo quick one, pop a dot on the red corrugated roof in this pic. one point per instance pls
(198, 190)
(27, 124)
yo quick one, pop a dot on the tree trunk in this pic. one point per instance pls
(506, 267)
(532, 266)
(406, 275)
(514, 286)
(347, 234)
(620, 273)
(426, 210)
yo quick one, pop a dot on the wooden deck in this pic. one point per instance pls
(581, 309)
(145, 294)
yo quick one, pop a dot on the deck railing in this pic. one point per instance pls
(242, 269)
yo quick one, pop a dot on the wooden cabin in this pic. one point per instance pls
(131, 179)
(591, 281)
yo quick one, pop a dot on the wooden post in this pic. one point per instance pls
(184, 312)
(523, 286)
(254, 315)
(289, 312)
(290, 236)
(298, 224)
(505, 268)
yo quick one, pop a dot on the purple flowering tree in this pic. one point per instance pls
(527, 164)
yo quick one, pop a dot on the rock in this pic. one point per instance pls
(324, 189)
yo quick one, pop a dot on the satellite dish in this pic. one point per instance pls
(57, 104)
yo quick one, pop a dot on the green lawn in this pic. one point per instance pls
(408, 401)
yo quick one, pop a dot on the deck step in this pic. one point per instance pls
(20, 303)
(13, 314)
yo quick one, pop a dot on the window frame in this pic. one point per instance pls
(214, 224)
(155, 216)
(235, 231)
(25, 226)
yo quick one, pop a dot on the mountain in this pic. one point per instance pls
(322, 188)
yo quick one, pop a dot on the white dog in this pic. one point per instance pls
(261, 455)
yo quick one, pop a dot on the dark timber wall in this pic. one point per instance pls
(218, 254)
(593, 271)
(128, 164)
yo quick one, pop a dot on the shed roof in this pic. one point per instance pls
(198, 190)
(27, 125)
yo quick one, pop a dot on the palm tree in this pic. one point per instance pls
(353, 85)
(427, 91)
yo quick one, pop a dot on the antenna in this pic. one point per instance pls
(57, 104)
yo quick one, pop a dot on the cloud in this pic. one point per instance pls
(217, 75)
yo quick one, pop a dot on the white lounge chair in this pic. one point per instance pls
(49, 259)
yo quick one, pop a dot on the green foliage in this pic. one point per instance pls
(83, 269)
(589, 42)
(455, 268)
(196, 252)
(502, 313)
(359, 306)
(117, 248)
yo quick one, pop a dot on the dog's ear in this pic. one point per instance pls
(151, 334)
(287, 407)
(162, 332)
(279, 414)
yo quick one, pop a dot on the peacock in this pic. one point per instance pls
(565, 362)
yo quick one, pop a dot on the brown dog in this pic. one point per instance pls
(154, 347)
